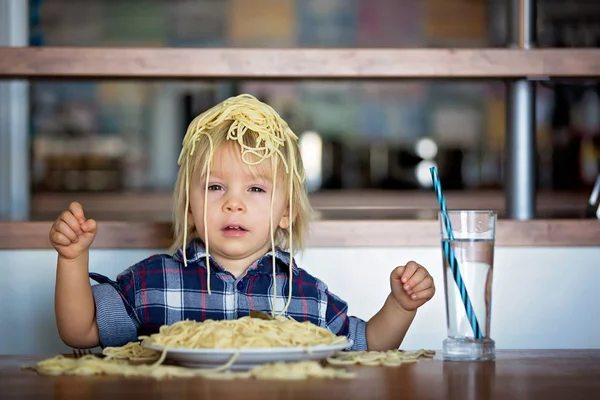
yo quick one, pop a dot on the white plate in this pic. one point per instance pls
(249, 357)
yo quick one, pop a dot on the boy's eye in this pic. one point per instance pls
(215, 187)
(256, 189)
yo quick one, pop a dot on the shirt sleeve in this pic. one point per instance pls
(115, 309)
(339, 322)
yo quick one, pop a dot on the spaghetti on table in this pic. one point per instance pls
(245, 332)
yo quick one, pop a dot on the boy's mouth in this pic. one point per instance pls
(234, 228)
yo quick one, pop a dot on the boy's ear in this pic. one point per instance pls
(284, 223)
(190, 219)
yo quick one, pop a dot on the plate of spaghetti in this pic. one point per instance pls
(243, 343)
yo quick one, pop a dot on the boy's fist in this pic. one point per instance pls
(412, 286)
(72, 234)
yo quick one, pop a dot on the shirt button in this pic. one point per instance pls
(240, 285)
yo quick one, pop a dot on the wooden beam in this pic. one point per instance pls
(216, 63)
(329, 204)
(325, 233)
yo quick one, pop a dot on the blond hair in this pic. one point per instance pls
(260, 135)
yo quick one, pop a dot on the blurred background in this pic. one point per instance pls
(116, 143)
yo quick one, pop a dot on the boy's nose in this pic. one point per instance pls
(233, 205)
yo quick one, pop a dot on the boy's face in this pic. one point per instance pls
(238, 207)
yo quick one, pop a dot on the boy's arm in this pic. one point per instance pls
(387, 328)
(72, 235)
(74, 303)
(412, 286)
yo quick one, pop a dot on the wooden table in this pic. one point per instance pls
(563, 374)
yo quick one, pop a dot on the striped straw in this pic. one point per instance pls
(451, 257)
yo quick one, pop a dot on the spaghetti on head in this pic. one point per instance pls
(265, 142)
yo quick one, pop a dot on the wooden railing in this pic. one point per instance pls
(326, 233)
(177, 63)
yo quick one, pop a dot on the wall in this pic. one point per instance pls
(543, 297)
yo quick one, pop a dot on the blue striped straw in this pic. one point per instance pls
(451, 257)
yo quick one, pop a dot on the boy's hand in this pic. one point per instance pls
(412, 286)
(72, 234)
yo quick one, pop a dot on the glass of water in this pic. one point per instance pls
(468, 258)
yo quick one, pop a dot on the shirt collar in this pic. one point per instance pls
(196, 253)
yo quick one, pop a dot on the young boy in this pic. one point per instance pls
(240, 209)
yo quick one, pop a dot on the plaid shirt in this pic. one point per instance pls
(160, 290)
